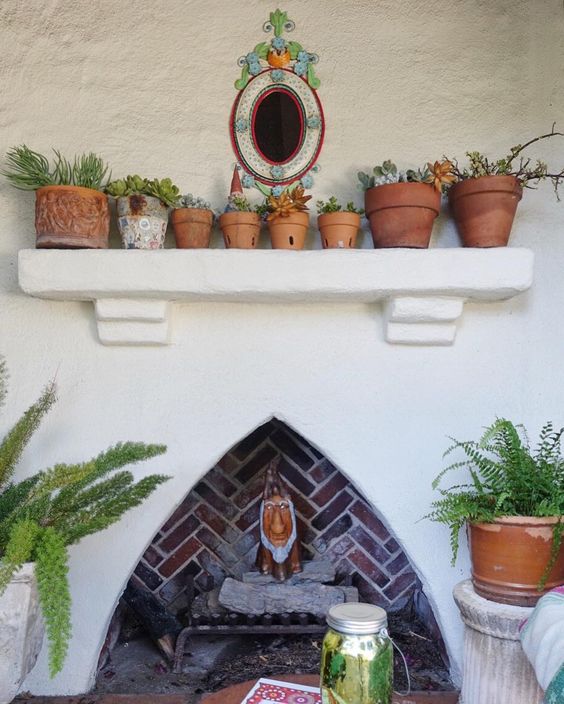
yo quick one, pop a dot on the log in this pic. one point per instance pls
(161, 625)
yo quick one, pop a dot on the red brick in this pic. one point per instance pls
(330, 489)
(249, 517)
(335, 530)
(148, 576)
(369, 592)
(370, 545)
(180, 556)
(182, 510)
(249, 444)
(179, 534)
(249, 492)
(152, 556)
(296, 478)
(397, 564)
(367, 517)
(228, 464)
(303, 506)
(322, 471)
(400, 584)
(332, 511)
(392, 545)
(220, 482)
(290, 447)
(256, 464)
(340, 548)
(222, 505)
(217, 523)
(370, 569)
(217, 546)
(177, 584)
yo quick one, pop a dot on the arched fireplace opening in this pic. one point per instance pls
(214, 534)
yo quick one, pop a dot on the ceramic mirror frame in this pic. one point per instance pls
(284, 66)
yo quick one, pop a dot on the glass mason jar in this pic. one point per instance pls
(357, 656)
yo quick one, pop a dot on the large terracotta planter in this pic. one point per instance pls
(240, 230)
(192, 227)
(509, 557)
(484, 209)
(142, 222)
(21, 631)
(71, 217)
(402, 214)
(289, 232)
(338, 230)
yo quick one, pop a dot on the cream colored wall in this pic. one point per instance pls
(149, 85)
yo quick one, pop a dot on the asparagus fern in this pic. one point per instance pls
(43, 514)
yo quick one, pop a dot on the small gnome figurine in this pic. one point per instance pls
(236, 191)
(279, 549)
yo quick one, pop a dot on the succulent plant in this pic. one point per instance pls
(31, 170)
(163, 189)
(288, 202)
(437, 174)
(333, 206)
(190, 201)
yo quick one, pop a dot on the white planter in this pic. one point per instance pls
(21, 631)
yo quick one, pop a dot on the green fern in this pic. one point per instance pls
(43, 514)
(508, 478)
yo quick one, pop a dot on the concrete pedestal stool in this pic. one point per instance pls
(495, 669)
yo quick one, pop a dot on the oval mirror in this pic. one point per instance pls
(277, 123)
(278, 126)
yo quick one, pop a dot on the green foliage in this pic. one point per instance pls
(333, 206)
(163, 189)
(190, 201)
(241, 204)
(508, 478)
(29, 170)
(278, 20)
(44, 513)
(513, 164)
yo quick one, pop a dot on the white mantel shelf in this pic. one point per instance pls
(423, 291)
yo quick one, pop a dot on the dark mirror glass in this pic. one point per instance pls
(278, 126)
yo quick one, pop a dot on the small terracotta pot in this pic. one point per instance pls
(338, 230)
(192, 227)
(509, 557)
(289, 232)
(142, 221)
(240, 230)
(402, 214)
(71, 217)
(484, 209)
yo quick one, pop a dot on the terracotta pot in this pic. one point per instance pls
(240, 230)
(289, 232)
(509, 557)
(142, 222)
(338, 230)
(71, 217)
(192, 227)
(402, 214)
(484, 209)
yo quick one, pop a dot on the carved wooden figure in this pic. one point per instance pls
(279, 549)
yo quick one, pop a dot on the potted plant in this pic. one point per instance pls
(486, 193)
(71, 210)
(402, 206)
(192, 222)
(513, 508)
(288, 219)
(142, 208)
(240, 223)
(39, 517)
(338, 227)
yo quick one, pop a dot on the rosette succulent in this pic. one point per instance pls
(190, 201)
(163, 189)
(438, 174)
(288, 202)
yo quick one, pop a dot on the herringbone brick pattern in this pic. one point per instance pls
(215, 529)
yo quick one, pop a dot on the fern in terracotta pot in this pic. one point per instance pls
(288, 219)
(338, 226)
(514, 510)
(486, 192)
(401, 206)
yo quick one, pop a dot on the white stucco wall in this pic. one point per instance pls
(150, 86)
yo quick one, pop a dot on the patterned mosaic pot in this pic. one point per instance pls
(142, 222)
(71, 217)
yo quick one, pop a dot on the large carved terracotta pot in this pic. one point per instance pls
(240, 230)
(71, 217)
(484, 209)
(402, 214)
(509, 557)
(21, 631)
(142, 221)
(192, 227)
(338, 230)
(289, 232)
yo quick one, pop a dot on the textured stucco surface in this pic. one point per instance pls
(150, 86)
